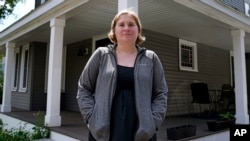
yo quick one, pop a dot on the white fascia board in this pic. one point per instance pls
(38, 17)
(36, 13)
(220, 12)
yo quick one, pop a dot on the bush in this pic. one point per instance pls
(39, 131)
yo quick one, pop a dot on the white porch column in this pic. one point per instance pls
(128, 4)
(9, 61)
(53, 117)
(242, 116)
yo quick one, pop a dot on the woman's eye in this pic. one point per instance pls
(131, 24)
(121, 25)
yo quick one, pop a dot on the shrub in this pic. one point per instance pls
(226, 116)
(39, 131)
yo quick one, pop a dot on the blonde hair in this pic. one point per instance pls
(140, 39)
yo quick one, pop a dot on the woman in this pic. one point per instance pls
(122, 91)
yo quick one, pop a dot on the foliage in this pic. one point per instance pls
(19, 134)
(39, 131)
(7, 7)
(226, 116)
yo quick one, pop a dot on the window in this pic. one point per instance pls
(247, 7)
(232, 68)
(188, 56)
(101, 40)
(24, 69)
(16, 69)
(39, 2)
(43, 1)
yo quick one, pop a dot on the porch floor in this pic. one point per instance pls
(73, 125)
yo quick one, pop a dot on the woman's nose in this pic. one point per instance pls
(126, 27)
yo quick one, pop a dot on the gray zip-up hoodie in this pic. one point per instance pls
(97, 85)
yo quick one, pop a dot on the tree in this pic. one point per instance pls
(7, 7)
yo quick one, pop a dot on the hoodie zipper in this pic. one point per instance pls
(135, 70)
(114, 88)
(115, 81)
(113, 93)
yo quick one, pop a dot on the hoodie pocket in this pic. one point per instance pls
(147, 127)
(91, 118)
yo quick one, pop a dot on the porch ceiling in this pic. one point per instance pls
(163, 16)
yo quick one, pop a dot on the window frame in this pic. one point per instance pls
(193, 45)
(16, 69)
(247, 7)
(97, 38)
(24, 69)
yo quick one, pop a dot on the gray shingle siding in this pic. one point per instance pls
(38, 97)
(22, 99)
(238, 5)
(34, 98)
(213, 65)
(74, 66)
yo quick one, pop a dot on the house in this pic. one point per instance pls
(46, 50)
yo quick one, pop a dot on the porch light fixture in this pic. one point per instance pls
(82, 51)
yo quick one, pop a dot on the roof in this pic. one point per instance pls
(88, 19)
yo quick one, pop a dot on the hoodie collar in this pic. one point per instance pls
(112, 47)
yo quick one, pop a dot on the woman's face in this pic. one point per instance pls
(126, 29)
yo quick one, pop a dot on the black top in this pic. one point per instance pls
(123, 114)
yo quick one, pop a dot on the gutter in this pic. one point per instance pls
(220, 12)
(39, 16)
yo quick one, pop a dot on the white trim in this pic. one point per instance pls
(96, 38)
(247, 8)
(42, 1)
(128, 4)
(63, 78)
(194, 57)
(248, 1)
(220, 12)
(21, 88)
(17, 51)
(38, 17)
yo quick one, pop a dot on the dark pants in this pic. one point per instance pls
(91, 138)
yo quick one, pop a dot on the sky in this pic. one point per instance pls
(21, 9)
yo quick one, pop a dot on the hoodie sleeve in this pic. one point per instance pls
(86, 85)
(160, 89)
